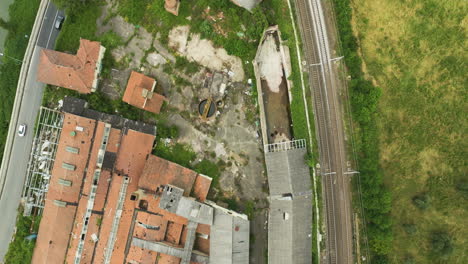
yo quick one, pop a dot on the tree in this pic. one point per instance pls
(5, 25)
(441, 243)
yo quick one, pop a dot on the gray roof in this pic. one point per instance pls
(163, 248)
(173, 201)
(290, 217)
(288, 172)
(290, 231)
(247, 4)
(229, 237)
(79, 107)
(195, 211)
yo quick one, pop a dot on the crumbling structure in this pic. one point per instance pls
(110, 200)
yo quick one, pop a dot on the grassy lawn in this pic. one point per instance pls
(22, 16)
(416, 52)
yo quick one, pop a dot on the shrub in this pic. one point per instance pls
(179, 153)
(462, 187)
(167, 131)
(422, 201)
(441, 244)
(410, 229)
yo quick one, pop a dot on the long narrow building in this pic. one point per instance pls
(289, 179)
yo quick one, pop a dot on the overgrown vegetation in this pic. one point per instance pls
(22, 14)
(416, 51)
(364, 101)
(183, 155)
(227, 25)
(188, 67)
(79, 23)
(20, 250)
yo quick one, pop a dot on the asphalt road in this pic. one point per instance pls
(17, 166)
(319, 41)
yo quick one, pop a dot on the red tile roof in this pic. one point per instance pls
(57, 222)
(139, 85)
(158, 172)
(76, 72)
(201, 187)
(145, 172)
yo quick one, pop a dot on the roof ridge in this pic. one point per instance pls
(53, 57)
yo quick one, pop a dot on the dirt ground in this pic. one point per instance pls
(230, 137)
(278, 120)
(274, 88)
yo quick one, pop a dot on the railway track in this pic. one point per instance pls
(330, 133)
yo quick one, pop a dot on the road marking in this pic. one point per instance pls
(52, 31)
(45, 17)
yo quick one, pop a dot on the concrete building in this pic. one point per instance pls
(289, 179)
(247, 4)
(290, 217)
(111, 201)
(78, 72)
(140, 93)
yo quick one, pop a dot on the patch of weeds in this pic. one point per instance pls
(168, 69)
(249, 209)
(186, 66)
(21, 249)
(179, 81)
(178, 153)
(210, 169)
(185, 114)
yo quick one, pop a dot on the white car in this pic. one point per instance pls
(22, 130)
(58, 22)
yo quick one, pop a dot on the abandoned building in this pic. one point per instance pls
(76, 72)
(110, 200)
(290, 186)
(140, 93)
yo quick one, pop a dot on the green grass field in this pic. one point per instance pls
(416, 52)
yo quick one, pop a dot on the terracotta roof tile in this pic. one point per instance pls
(141, 256)
(159, 172)
(76, 72)
(137, 85)
(201, 187)
(57, 222)
(166, 259)
(145, 172)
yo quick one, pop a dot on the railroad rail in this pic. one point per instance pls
(324, 89)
